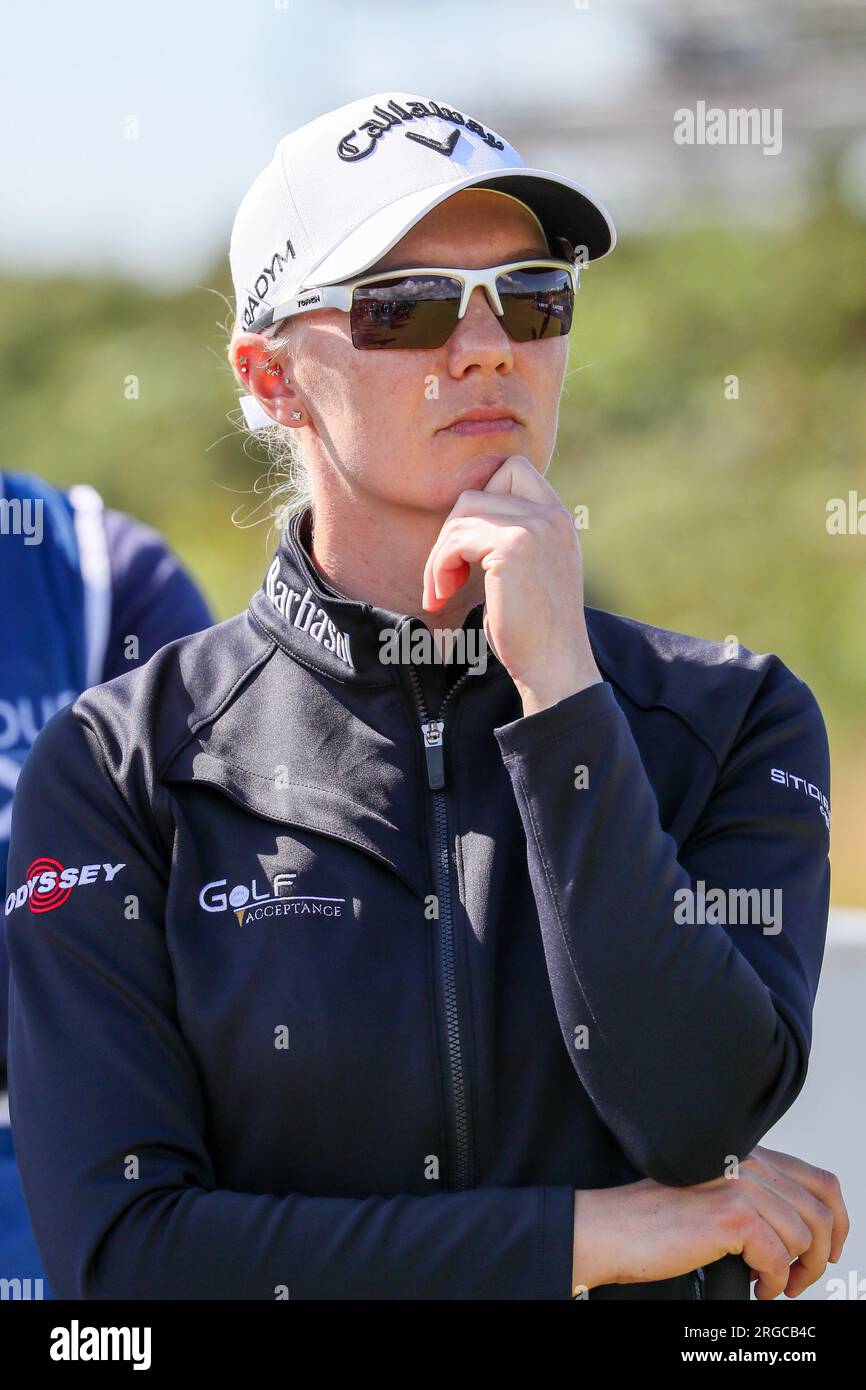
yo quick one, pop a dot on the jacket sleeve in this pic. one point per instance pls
(153, 597)
(108, 1115)
(697, 1034)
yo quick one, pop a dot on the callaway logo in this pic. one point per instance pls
(381, 121)
(265, 281)
(787, 779)
(443, 146)
(309, 618)
(49, 884)
(249, 905)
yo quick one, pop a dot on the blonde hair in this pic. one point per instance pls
(287, 481)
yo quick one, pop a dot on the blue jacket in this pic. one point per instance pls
(310, 1002)
(77, 581)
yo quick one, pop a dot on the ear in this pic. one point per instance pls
(248, 354)
(257, 369)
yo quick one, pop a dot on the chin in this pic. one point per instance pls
(461, 475)
(468, 474)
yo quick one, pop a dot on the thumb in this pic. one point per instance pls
(520, 478)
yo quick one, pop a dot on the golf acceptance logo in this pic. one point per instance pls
(249, 905)
(49, 885)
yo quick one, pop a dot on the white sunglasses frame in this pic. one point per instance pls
(340, 296)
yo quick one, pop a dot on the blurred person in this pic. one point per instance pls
(400, 935)
(86, 593)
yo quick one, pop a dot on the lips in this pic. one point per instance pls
(482, 426)
(482, 420)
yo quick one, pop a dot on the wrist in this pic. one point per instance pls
(590, 1265)
(540, 690)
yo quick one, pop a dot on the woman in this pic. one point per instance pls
(372, 974)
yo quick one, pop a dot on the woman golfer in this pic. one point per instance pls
(345, 970)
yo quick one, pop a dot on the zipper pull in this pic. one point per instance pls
(432, 730)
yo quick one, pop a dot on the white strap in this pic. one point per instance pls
(96, 575)
(256, 416)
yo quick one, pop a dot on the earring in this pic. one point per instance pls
(242, 363)
(296, 414)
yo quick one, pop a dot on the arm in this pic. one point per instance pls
(698, 1035)
(153, 597)
(100, 1073)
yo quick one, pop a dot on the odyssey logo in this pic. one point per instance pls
(251, 905)
(49, 885)
(308, 616)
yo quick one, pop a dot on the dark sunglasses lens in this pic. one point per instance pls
(419, 311)
(538, 302)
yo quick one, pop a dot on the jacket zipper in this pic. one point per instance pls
(433, 735)
(432, 732)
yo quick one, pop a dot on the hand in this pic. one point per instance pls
(779, 1209)
(526, 542)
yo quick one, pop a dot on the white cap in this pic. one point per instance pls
(341, 190)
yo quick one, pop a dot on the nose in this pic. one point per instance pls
(480, 339)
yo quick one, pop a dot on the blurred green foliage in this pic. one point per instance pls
(706, 514)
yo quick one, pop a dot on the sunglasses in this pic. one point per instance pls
(420, 308)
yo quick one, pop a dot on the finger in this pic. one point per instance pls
(471, 502)
(823, 1184)
(444, 578)
(810, 1263)
(802, 1239)
(445, 583)
(765, 1253)
(440, 584)
(474, 502)
(807, 1269)
(520, 478)
(466, 541)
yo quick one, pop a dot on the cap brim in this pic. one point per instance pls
(564, 209)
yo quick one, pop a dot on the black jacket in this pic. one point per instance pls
(295, 1023)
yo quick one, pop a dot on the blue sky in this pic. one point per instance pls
(213, 87)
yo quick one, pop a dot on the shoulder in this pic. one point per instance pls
(150, 585)
(134, 543)
(132, 725)
(720, 689)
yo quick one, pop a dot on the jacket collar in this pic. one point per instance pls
(342, 638)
